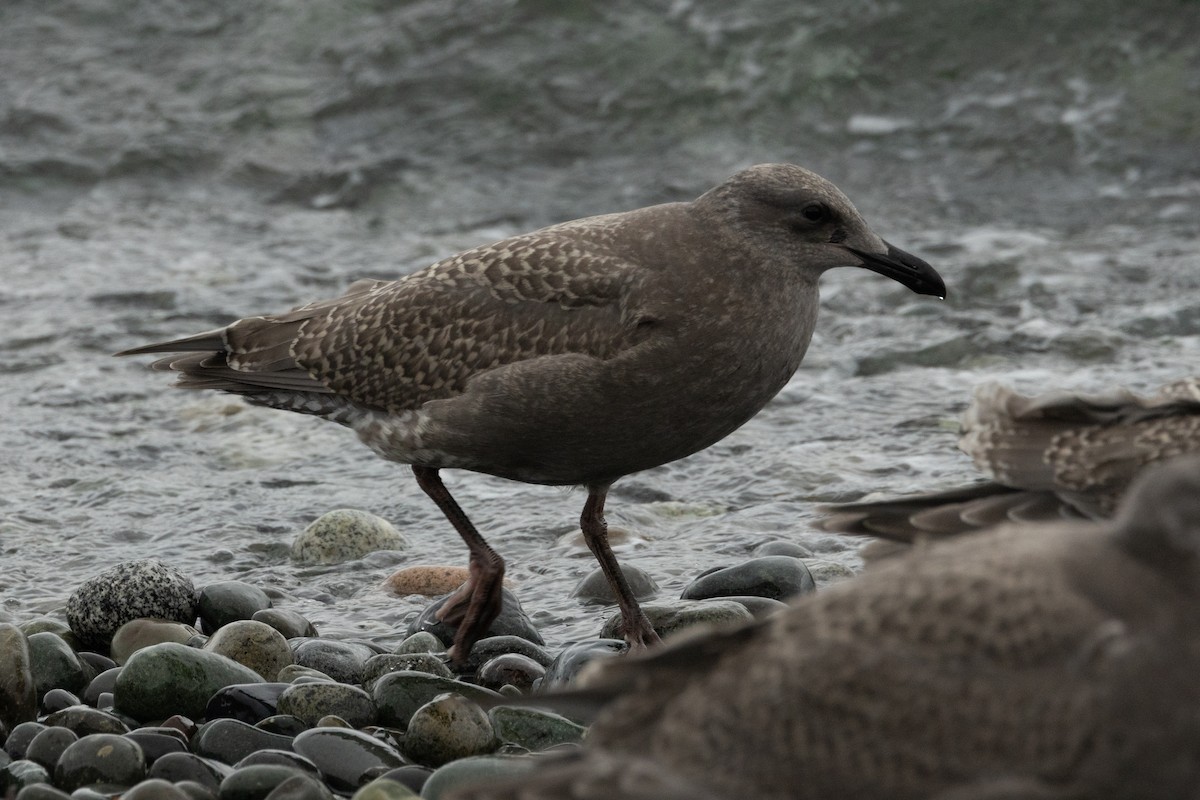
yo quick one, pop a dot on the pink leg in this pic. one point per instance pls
(636, 628)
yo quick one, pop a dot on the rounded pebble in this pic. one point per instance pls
(421, 642)
(254, 644)
(100, 758)
(398, 695)
(154, 789)
(311, 701)
(512, 621)
(48, 745)
(344, 535)
(776, 577)
(344, 755)
(57, 700)
(447, 728)
(19, 738)
(172, 678)
(342, 661)
(21, 774)
(668, 618)
(574, 657)
(300, 787)
(139, 633)
(224, 602)
(189, 767)
(384, 663)
(55, 665)
(42, 791)
(533, 728)
(247, 702)
(781, 547)
(758, 607)
(84, 720)
(594, 587)
(156, 742)
(18, 697)
(385, 789)
(104, 682)
(472, 771)
(229, 741)
(290, 623)
(510, 669)
(257, 781)
(127, 591)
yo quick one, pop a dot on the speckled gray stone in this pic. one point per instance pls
(130, 590)
(312, 701)
(447, 728)
(253, 644)
(421, 642)
(344, 535)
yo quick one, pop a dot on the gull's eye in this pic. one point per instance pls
(815, 212)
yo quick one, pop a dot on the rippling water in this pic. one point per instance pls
(165, 168)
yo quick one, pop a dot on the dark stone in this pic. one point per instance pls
(85, 721)
(285, 758)
(510, 669)
(343, 755)
(40, 791)
(154, 789)
(229, 741)
(290, 623)
(574, 657)
(134, 589)
(226, 601)
(155, 743)
(512, 621)
(776, 577)
(312, 701)
(300, 787)
(98, 663)
(100, 758)
(398, 695)
(104, 682)
(174, 678)
(783, 548)
(177, 767)
(595, 588)
(18, 697)
(342, 661)
(487, 649)
(54, 664)
(283, 724)
(256, 782)
(247, 702)
(757, 606)
(48, 745)
(196, 791)
(21, 773)
(413, 776)
(17, 743)
(57, 700)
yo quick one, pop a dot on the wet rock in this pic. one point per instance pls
(84, 720)
(470, 771)
(384, 663)
(427, 581)
(758, 606)
(510, 669)
(342, 661)
(385, 789)
(128, 591)
(104, 682)
(257, 781)
(97, 662)
(594, 587)
(413, 776)
(487, 649)
(533, 728)
(447, 728)
(196, 791)
(171, 678)
(139, 633)
(828, 572)
(300, 787)
(781, 547)
(228, 601)
(100, 758)
(574, 657)
(421, 642)
(668, 618)
(287, 758)
(776, 577)
(229, 741)
(40, 791)
(189, 767)
(154, 789)
(253, 644)
(19, 774)
(18, 697)
(51, 625)
(246, 702)
(398, 695)
(48, 745)
(20, 737)
(344, 535)
(291, 624)
(55, 665)
(512, 621)
(295, 672)
(345, 755)
(57, 700)
(156, 742)
(311, 701)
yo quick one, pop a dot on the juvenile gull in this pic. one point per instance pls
(1057, 455)
(575, 354)
(1056, 662)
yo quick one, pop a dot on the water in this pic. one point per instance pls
(166, 168)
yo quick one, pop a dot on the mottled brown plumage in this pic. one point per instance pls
(1052, 456)
(571, 355)
(1055, 662)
